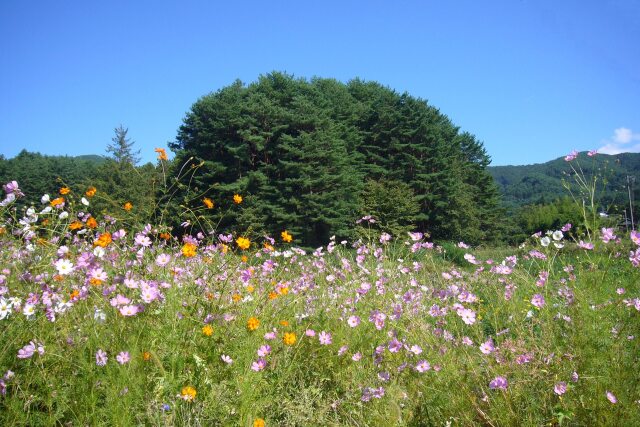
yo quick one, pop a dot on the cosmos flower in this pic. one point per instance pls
(499, 383)
(101, 357)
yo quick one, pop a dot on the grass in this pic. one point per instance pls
(419, 364)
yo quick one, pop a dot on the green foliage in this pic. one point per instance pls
(300, 151)
(392, 203)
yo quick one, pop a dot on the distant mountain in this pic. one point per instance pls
(543, 182)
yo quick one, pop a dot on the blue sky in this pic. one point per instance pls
(531, 79)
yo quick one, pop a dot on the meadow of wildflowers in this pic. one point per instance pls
(108, 324)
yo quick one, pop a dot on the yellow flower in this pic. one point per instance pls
(91, 191)
(208, 202)
(65, 190)
(243, 243)
(283, 290)
(56, 202)
(75, 225)
(258, 422)
(237, 199)
(207, 330)
(284, 323)
(188, 393)
(286, 236)
(104, 240)
(189, 250)
(273, 295)
(244, 258)
(127, 206)
(162, 154)
(236, 297)
(95, 282)
(250, 288)
(146, 356)
(289, 338)
(252, 324)
(268, 247)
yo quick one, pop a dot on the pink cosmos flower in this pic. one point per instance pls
(423, 366)
(612, 398)
(353, 321)
(498, 383)
(264, 350)
(259, 365)
(468, 316)
(571, 156)
(123, 357)
(583, 245)
(538, 301)
(101, 357)
(129, 310)
(635, 237)
(592, 153)
(325, 338)
(607, 235)
(226, 359)
(487, 347)
(560, 388)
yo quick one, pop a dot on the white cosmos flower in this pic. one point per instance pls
(545, 241)
(45, 199)
(29, 310)
(63, 215)
(84, 201)
(99, 252)
(64, 266)
(557, 235)
(46, 210)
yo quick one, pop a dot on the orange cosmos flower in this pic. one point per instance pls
(95, 282)
(289, 338)
(127, 206)
(75, 225)
(104, 240)
(91, 223)
(208, 202)
(91, 191)
(75, 294)
(188, 393)
(236, 297)
(252, 324)
(146, 356)
(273, 295)
(65, 190)
(284, 323)
(237, 199)
(286, 236)
(162, 154)
(57, 202)
(189, 250)
(207, 330)
(165, 236)
(243, 243)
(258, 422)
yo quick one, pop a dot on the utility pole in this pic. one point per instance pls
(626, 226)
(630, 181)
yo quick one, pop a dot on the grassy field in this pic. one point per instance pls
(105, 325)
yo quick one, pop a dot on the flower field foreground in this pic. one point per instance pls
(103, 325)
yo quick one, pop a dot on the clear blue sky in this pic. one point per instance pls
(531, 79)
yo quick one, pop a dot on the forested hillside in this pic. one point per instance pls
(543, 182)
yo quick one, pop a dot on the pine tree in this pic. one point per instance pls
(122, 148)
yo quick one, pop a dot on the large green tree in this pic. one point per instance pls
(302, 151)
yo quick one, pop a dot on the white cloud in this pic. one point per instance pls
(620, 142)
